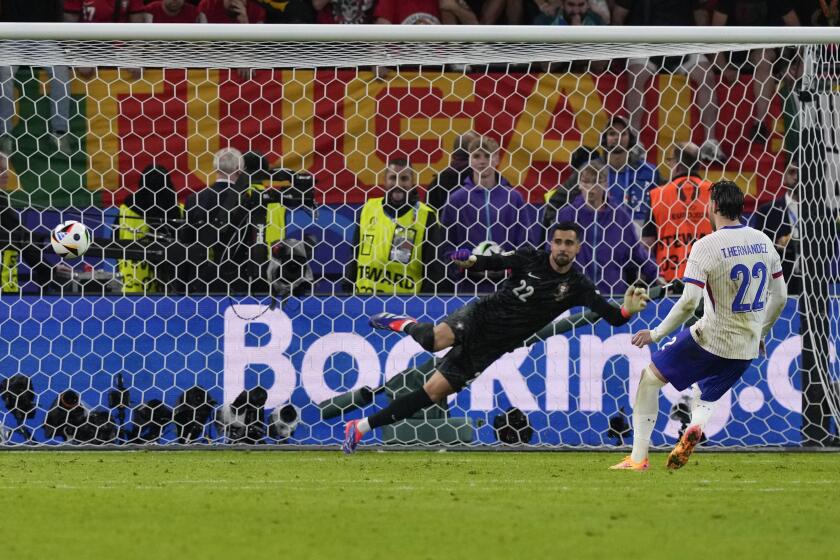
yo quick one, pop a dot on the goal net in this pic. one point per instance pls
(254, 199)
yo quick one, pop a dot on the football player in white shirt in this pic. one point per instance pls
(738, 272)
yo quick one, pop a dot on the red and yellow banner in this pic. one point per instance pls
(344, 125)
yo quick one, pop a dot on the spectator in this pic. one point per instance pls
(611, 254)
(344, 11)
(208, 219)
(418, 12)
(41, 11)
(819, 13)
(232, 11)
(173, 11)
(779, 219)
(147, 215)
(455, 173)
(104, 11)
(630, 176)
(397, 239)
(412, 12)
(571, 12)
(696, 66)
(754, 13)
(289, 11)
(679, 211)
(454, 12)
(485, 208)
(559, 197)
(566, 12)
(496, 12)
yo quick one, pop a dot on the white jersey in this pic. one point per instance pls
(734, 266)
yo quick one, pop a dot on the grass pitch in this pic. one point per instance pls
(396, 505)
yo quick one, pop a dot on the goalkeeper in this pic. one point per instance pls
(542, 285)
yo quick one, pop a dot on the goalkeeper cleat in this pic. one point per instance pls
(628, 464)
(352, 437)
(679, 456)
(391, 322)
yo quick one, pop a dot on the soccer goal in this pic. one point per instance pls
(256, 192)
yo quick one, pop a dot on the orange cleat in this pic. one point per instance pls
(679, 456)
(627, 464)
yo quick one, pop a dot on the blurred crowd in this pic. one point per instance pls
(432, 12)
(639, 220)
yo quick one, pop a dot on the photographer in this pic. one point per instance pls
(146, 216)
(16, 242)
(260, 256)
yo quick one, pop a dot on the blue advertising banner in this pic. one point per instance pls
(314, 348)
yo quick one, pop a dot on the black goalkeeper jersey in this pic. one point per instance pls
(533, 296)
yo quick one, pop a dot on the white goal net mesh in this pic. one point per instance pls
(214, 312)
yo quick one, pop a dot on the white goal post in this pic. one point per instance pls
(249, 326)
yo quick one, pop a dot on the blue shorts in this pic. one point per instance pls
(684, 362)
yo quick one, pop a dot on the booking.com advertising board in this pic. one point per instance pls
(314, 348)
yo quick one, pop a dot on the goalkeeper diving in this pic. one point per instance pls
(739, 273)
(542, 285)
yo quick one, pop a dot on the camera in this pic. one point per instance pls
(292, 189)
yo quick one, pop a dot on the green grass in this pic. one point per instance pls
(395, 505)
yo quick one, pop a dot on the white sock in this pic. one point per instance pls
(645, 410)
(363, 426)
(701, 411)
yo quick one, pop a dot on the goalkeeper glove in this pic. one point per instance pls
(635, 299)
(463, 258)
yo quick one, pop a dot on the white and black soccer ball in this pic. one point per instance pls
(486, 249)
(283, 421)
(71, 239)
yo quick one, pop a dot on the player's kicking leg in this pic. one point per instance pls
(435, 390)
(682, 451)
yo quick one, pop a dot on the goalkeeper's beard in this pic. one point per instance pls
(562, 259)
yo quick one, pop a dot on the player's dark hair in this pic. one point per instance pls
(728, 198)
(566, 226)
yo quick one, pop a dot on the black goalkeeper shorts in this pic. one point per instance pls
(471, 353)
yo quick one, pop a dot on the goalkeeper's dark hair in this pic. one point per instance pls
(729, 199)
(566, 226)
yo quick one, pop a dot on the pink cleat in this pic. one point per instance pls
(352, 437)
(391, 321)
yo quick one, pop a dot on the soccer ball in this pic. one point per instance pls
(486, 248)
(71, 239)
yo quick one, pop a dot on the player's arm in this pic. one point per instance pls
(694, 279)
(513, 260)
(684, 308)
(635, 299)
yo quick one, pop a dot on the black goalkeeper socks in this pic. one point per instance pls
(424, 334)
(401, 408)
